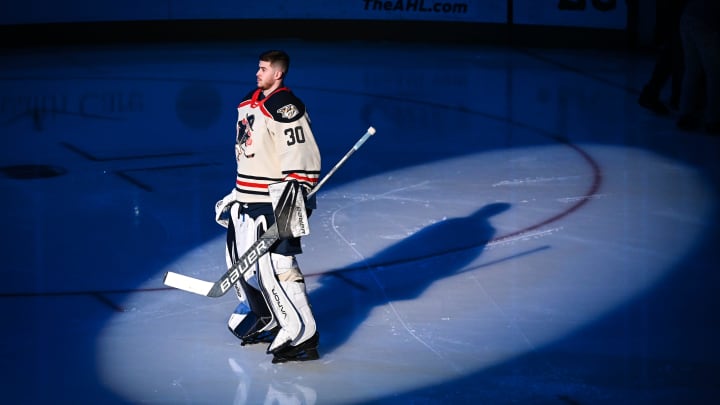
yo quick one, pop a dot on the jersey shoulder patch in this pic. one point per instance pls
(285, 106)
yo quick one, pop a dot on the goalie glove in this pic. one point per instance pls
(222, 209)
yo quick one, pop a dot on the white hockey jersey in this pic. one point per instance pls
(274, 143)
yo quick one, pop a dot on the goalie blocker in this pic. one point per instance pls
(288, 201)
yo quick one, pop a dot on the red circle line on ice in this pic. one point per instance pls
(594, 187)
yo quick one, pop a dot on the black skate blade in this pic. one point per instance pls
(304, 355)
(305, 351)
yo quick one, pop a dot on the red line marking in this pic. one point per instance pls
(594, 187)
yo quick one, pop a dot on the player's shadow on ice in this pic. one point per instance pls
(401, 272)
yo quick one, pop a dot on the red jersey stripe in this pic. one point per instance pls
(246, 184)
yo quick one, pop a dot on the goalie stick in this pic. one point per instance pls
(255, 251)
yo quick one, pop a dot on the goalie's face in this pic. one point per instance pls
(268, 77)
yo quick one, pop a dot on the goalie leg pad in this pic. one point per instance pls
(297, 293)
(285, 313)
(288, 291)
(293, 282)
(243, 231)
(256, 324)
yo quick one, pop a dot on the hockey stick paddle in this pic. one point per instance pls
(254, 252)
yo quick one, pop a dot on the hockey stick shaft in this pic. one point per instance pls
(370, 132)
(254, 252)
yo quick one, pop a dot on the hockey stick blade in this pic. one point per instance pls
(220, 287)
(256, 250)
(183, 282)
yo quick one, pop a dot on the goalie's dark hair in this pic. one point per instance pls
(277, 58)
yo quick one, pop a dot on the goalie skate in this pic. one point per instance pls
(305, 351)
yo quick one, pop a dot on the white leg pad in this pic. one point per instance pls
(297, 323)
(246, 233)
(282, 307)
(298, 296)
(291, 280)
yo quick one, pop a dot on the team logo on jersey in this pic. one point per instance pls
(288, 111)
(244, 137)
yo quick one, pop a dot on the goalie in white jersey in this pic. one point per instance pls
(274, 144)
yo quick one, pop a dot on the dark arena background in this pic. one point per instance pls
(520, 229)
